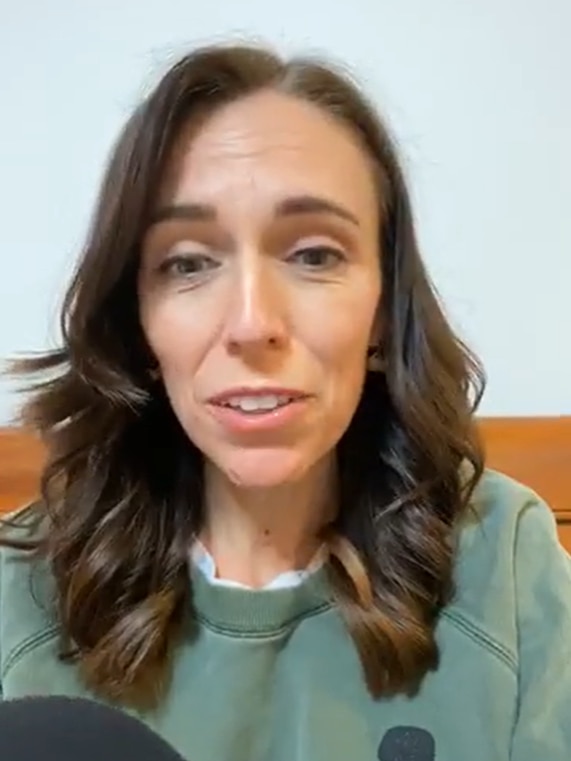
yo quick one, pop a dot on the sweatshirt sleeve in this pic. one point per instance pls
(1, 631)
(543, 590)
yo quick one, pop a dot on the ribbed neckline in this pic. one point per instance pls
(258, 612)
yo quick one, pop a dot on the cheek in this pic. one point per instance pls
(178, 337)
(338, 336)
(340, 327)
(344, 365)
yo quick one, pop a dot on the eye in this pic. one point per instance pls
(187, 265)
(317, 257)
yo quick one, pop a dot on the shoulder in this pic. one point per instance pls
(503, 516)
(510, 566)
(26, 585)
(498, 508)
(20, 528)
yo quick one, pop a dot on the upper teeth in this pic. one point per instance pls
(251, 403)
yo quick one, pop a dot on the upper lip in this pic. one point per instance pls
(252, 391)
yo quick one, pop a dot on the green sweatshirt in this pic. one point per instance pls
(273, 675)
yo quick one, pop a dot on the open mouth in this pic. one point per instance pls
(258, 405)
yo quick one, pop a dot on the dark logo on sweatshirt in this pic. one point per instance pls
(407, 744)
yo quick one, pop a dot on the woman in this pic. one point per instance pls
(266, 527)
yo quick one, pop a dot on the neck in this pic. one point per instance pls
(256, 534)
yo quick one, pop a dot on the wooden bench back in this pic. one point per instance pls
(536, 451)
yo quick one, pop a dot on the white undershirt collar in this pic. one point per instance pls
(204, 561)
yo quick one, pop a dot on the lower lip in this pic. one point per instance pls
(246, 422)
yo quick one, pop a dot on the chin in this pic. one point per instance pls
(263, 468)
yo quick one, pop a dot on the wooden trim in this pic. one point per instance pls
(536, 451)
(21, 458)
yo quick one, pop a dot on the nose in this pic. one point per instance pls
(256, 320)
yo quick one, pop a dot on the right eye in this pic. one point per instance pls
(187, 265)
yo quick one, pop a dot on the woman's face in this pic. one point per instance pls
(259, 285)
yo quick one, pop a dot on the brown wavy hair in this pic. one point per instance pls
(122, 491)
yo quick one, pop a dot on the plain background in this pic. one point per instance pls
(478, 93)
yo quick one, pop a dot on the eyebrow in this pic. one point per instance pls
(314, 205)
(292, 206)
(193, 212)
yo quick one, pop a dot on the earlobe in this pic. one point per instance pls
(154, 373)
(376, 361)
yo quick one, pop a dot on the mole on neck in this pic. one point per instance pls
(255, 535)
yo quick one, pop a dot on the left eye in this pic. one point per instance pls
(317, 257)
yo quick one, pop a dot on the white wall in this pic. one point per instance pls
(479, 92)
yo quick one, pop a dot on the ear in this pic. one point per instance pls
(375, 356)
(376, 362)
(377, 333)
(154, 373)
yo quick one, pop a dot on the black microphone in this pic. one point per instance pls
(407, 744)
(73, 729)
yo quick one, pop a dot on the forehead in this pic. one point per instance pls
(276, 144)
